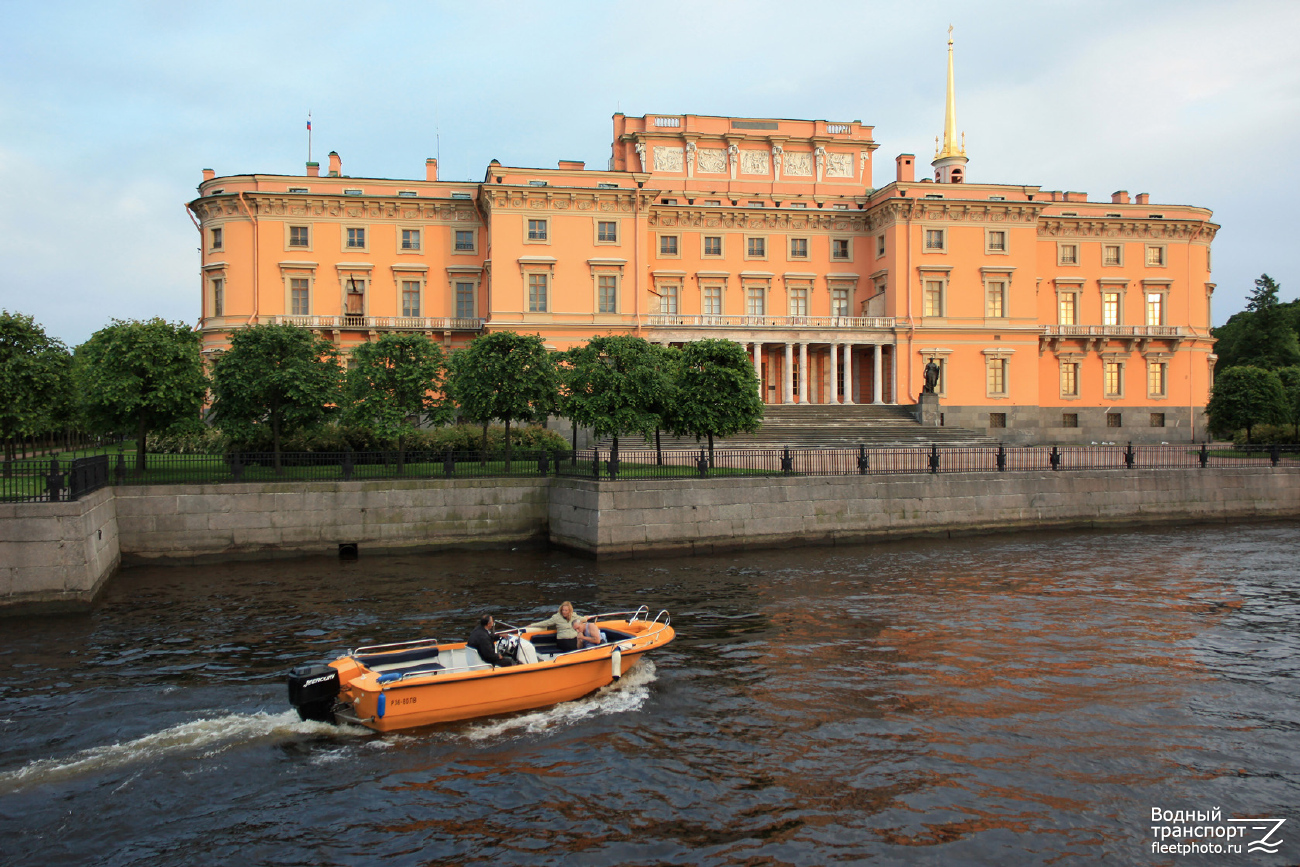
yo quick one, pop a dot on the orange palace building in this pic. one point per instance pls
(1053, 318)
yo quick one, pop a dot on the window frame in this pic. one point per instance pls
(847, 241)
(990, 250)
(880, 246)
(616, 278)
(617, 240)
(704, 246)
(1119, 292)
(999, 361)
(216, 237)
(706, 289)
(544, 222)
(1075, 248)
(750, 240)
(1074, 363)
(802, 291)
(1106, 391)
(346, 237)
(1003, 296)
(668, 238)
(289, 245)
(456, 282)
(836, 290)
(790, 254)
(217, 289)
(417, 280)
(402, 249)
(1119, 263)
(532, 297)
(473, 240)
(309, 288)
(941, 232)
(669, 293)
(759, 290)
(1163, 250)
(1075, 293)
(1161, 363)
(942, 280)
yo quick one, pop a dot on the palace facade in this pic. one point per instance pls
(1053, 318)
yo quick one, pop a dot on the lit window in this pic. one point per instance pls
(465, 301)
(1110, 254)
(712, 300)
(298, 296)
(218, 297)
(1069, 309)
(356, 238)
(933, 302)
(756, 247)
(410, 239)
(997, 368)
(1157, 372)
(465, 240)
(1114, 380)
(934, 239)
(997, 300)
(839, 302)
(1155, 256)
(1069, 254)
(410, 298)
(299, 237)
(1110, 308)
(1069, 379)
(537, 230)
(755, 301)
(216, 239)
(536, 292)
(712, 245)
(606, 286)
(798, 248)
(1155, 308)
(668, 298)
(840, 248)
(997, 241)
(668, 245)
(607, 231)
(799, 302)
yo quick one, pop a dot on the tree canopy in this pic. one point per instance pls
(142, 376)
(616, 385)
(279, 377)
(1245, 396)
(1264, 334)
(717, 394)
(34, 374)
(504, 376)
(395, 382)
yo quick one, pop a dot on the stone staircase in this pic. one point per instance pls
(828, 426)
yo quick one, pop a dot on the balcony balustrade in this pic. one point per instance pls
(681, 320)
(382, 323)
(1122, 331)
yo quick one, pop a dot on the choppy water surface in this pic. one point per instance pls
(1013, 700)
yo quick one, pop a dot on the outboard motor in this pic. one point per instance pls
(312, 691)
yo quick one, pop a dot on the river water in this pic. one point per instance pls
(1020, 699)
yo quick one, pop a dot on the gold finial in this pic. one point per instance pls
(950, 147)
(950, 34)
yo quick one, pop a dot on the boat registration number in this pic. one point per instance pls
(398, 702)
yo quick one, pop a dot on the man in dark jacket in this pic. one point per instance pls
(484, 641)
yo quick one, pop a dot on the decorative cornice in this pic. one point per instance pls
(1083, 227)
(714, 217)
(941, 211)
(273, 205)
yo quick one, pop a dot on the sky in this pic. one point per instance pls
(109, 112)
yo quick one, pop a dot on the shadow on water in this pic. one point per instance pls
(1019, 699)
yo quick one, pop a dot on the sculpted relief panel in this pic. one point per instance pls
(669, 160)
(839, 165)
(799, 165)
(754, 163)
(711, 160)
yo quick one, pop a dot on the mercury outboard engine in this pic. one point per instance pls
(312, 691)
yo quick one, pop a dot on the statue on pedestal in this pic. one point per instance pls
(931, 378)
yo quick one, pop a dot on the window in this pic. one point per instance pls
(352, 192)
(996, 304)
(1069, 379)
(461, 196)
(997, 198)
(754, 203)
(668, 245)
(1069, 419)
(880, 245)
(997, 239)
(1069, 308)
(840, 248)
(536, 292)
(1157, 419)
(299, 236)
(798, 248)
(537, 183)
(410, 298)
(668, 201)
(356, 239)
(1068, 254)
(298, 190)
(606, 292)
(756, 248)
(997, 419)
(1110, 308)
(1111, 254)
(997, 376)
(668, 298)
(934, 239)
(1155, 256)
(839, 302)
(1114, 379)
(713, 245)
(406, 194)
(465, 301)
(933, 301)
(713, 201)
(216, 239)
(712, 301)
(799, 302)
(755, 301)
(1114, 419)
(839, 206)
(298, 304)
(1155, 308)
(537, 230)
(218, 297)
(607, 231)
(799, 204)
(607, 186)
(411, 239)
(1157, 378)
(464, 240)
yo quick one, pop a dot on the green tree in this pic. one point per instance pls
(505, 376)
(34, 374)
(394, 381)
(1243, 397)
(1263, 335)
(274, 376)
(1290, 378)
(616, 385)
(142, 376)
(717, 394)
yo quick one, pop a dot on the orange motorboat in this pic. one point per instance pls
(416, 683)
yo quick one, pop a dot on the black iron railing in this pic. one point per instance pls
(52, 481)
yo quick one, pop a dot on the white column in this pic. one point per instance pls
(848, 373)
(787, 375)
(835, 374)
(877, 381)
(803, 373)
(758, 363)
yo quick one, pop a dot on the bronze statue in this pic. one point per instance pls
(931, 378)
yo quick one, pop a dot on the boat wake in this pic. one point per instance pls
(204, 737)
(626, 695)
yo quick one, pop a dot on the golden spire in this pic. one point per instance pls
(950, 147)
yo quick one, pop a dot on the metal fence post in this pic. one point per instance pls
(613, 461)
(1205, 455)
(702, 464)
(1002, 458)
(54, 481)
(934, 457)
(1056, 458)
(787, 462)
(595, 463)
(1129, 456)
(864, 463)
(448, 464)
(119, 471)
(347, 463)
(1274, 454)
(543, 463)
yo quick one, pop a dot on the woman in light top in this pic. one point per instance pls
(572, 631)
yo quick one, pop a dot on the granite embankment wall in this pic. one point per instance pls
(54, 554)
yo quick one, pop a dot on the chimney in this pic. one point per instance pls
(905, 168)
(573, 165)
(1143, 198)
(336, 164)
(431, 169)
(313, 170)
(1119, 197)
(209, 174)
(1076, 197)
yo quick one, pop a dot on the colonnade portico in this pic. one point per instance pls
(796, 374)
